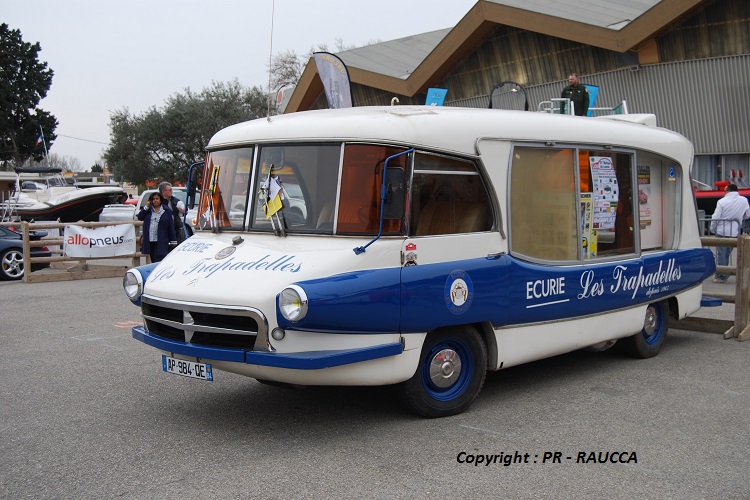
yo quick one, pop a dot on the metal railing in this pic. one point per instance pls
(559, 105)
(735, 227)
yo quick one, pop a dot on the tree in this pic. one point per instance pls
(96, 168)
(287, 67)
(24, 81)
(163, 142)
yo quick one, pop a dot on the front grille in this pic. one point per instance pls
(208, 325)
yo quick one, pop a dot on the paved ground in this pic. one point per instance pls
(86, 412)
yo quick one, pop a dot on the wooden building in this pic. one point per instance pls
(686, 61)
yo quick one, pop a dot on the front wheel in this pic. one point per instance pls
(11, 265)
(648, 342)
(450, 374)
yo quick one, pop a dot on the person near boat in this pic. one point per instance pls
(159, 235)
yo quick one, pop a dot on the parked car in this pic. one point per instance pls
(128, 211)
(11, 253)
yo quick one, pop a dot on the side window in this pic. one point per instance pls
(448, 197)
(543, 204)
(658, 199)
(228, 173)
(607, 209)
(581, 204)
(361, 183)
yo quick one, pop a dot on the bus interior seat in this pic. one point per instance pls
(325, 219)
(446, 218)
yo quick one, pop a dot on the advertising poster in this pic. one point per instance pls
(606, 196)
(644, 195)
(588, 234)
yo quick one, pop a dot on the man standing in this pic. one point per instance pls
(578, 95)
(177, 208)
(726, 221)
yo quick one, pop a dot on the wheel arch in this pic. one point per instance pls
(490, 343)
(674, 308)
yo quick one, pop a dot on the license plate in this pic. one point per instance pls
(201, 371)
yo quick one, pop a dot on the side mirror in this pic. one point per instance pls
(394, 199)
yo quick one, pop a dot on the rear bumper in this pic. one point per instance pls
(308, 360)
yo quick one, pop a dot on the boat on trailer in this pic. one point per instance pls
(49, 196)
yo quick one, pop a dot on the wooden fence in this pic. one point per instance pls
(73, 267)
(740, 327)
(83, 269)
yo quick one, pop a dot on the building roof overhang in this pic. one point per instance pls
(603, 26)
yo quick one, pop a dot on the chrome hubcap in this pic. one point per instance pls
(445, 368)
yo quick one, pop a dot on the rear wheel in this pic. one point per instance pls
(450, 375)
(648, 342)
(11, 264)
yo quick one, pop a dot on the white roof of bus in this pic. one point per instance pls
(454, 129)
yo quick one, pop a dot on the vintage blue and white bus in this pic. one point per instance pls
(422, 246)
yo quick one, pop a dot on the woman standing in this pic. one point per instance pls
(158, 228)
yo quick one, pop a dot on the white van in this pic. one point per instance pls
(423, 246)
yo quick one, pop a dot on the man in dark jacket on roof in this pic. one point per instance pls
(578, 95)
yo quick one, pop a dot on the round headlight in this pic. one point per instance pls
(132, 283)
(293, 303)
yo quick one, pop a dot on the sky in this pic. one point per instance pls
(109, 56)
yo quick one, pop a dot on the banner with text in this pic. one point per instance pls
(107, 241)
(335, 78)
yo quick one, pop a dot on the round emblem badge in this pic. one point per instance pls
(225, 252)
(459, 292)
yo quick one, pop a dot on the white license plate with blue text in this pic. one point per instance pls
(201, 371)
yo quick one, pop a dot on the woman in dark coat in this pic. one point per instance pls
(158, 228)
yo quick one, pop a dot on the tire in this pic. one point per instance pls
(444, 386)
(11, 264)
(648, 342)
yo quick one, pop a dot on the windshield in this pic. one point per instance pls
(307, 188)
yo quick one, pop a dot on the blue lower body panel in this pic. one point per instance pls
(310, 360)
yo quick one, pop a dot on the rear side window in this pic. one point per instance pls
(448, 197)
(574, 204)
(608, 219)
(543, 204)
(658, 195)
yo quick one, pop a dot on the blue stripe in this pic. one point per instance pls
(509, 291)
(315, 360)
(312, 360)
(204, 352)
(503, 291)
(357, 302)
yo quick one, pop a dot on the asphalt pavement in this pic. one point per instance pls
(87, 412)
